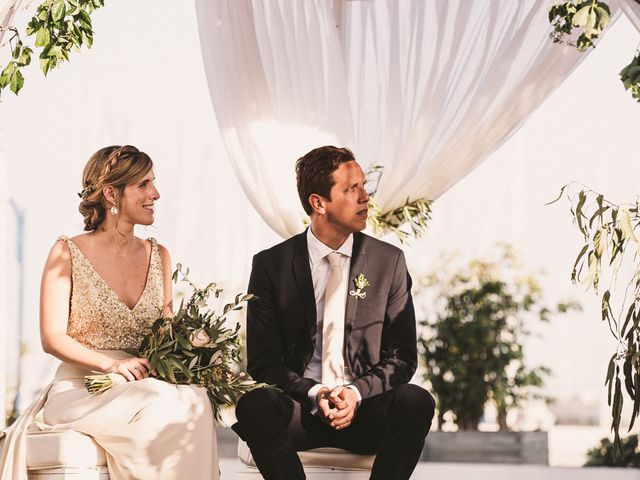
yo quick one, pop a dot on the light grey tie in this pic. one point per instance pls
(333, 325)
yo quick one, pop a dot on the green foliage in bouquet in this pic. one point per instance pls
(195, 347)
(610, 241)
(590, 16)
(59, 26)
(604, 454)
(473, 335)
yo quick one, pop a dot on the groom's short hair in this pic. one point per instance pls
(313, 172)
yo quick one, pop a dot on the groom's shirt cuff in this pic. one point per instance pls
(355, 389)
(313, 391)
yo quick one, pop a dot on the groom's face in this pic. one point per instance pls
(347, 210)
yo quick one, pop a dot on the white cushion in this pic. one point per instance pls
(70, 473)
(47, 448)
(326, 457)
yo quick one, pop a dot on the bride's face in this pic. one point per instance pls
(138, 200)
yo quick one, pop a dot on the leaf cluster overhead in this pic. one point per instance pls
(587, 19)
(59, 26)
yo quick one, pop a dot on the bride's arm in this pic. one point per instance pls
(167, 307)
(55, 296)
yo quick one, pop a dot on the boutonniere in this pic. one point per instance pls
(360, 283)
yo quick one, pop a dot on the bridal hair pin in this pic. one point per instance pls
(86, 191)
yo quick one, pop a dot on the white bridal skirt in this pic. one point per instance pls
(148, 428)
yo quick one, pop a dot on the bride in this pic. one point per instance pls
(100, 293)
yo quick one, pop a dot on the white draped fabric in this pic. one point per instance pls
(428, 89)
(631, 8)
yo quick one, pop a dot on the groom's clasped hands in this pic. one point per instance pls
(337, 406)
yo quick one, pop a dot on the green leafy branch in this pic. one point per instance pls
(20, 57)
(59, 26)
(413, 214)
(608, 230)
(630, 76)
(590, 17)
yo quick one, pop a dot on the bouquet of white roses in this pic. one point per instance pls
(193, 347)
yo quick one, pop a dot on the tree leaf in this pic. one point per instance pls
(58, 9)
(581, 17)
(582, 198)
(625, 225)
(16, 81)
(43, 37)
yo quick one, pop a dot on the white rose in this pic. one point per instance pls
(200, 338)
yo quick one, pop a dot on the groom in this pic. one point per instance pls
(334, 329)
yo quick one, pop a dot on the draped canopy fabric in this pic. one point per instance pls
(427, 89)
(631, 8)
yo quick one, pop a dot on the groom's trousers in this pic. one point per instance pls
(392, 425)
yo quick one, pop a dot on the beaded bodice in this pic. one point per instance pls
(98, 318)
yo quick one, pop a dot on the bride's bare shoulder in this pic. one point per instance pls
(164, 255)
(59, 255)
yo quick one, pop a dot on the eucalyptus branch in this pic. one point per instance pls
(609, 232)
(413, 214)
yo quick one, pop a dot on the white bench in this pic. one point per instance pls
(61, 455)
(53, 454)
(70, 455)
(318, 463)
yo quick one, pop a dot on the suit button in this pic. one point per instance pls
(349, 328)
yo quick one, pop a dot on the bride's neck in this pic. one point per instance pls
(118, 237)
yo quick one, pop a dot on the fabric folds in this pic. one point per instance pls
(427, 89)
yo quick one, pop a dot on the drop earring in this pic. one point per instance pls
(114, 210)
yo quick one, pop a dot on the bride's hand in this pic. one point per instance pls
(131, 368)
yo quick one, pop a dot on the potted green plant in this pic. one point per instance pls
(471, 345)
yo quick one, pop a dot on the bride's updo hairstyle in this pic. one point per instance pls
(115, 166)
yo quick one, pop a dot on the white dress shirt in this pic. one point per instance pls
(320, 268)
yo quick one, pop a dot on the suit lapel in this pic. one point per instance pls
(358, 266)
(302, 276)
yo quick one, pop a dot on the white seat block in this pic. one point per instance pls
(62, 454)
(318, 458)
(70, 473)
(48, 448)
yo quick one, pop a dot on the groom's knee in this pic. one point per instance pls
(415, 405)
(257, 404)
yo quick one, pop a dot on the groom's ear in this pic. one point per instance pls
(317, 203)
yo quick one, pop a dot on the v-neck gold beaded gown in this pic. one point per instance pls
(149, 429)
